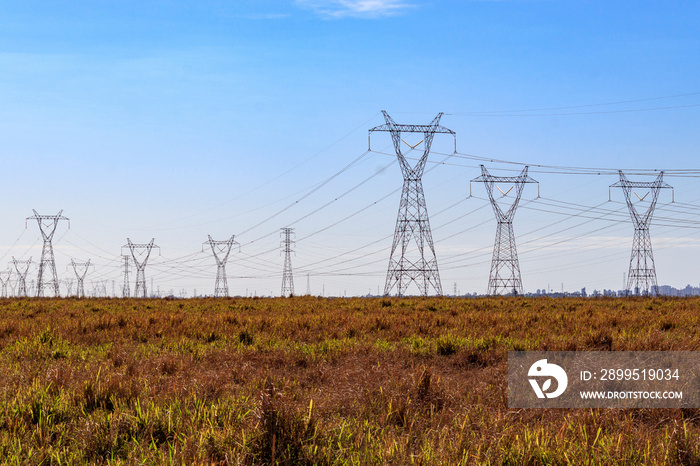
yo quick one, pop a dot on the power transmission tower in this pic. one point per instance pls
(22, 267)
(505, 270)
(126, 289)
(4, 281)
(13, 284)
(143, 251)
(103, 288)
(47, 225)
(308, 285)
(412, 222)
(69, 286)
(221, 251)
(83, 266)
(287, 278)
(642, 272)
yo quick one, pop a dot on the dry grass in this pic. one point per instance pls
(322, 381)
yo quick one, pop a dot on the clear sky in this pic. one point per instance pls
(177, 120)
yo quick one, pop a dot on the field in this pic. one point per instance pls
(322, 381)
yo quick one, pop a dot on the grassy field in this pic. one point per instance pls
(322, 381)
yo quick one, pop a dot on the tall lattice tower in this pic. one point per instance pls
(126, 288)
(80, 269)
(505, 270)
(287, 278)
(641, 278)
(47, 265)
(22, 267)
(221, 251)
(140, 254)
(412, 223)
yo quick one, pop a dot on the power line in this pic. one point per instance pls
(599, 112)
(565, 107)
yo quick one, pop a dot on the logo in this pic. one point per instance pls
(542, 368)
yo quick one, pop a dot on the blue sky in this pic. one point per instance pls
(175, 120)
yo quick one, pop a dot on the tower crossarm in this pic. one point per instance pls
(141, 246)
(657, 183)
(56, 217)
(414, 128)
(523, 177)
(433, 127)
(505, 179)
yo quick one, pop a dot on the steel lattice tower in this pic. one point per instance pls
(102, 288)
(13, 285)
(4, 282)
(22, 276)
(47, 225)
(126, 289)
(412, 223)
(84, 266)
(221, 251)
(287, 278)
(505, 270)
(144, 252)
(69, 286)
(642, 272)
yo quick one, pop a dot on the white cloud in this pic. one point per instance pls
(355, 8)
